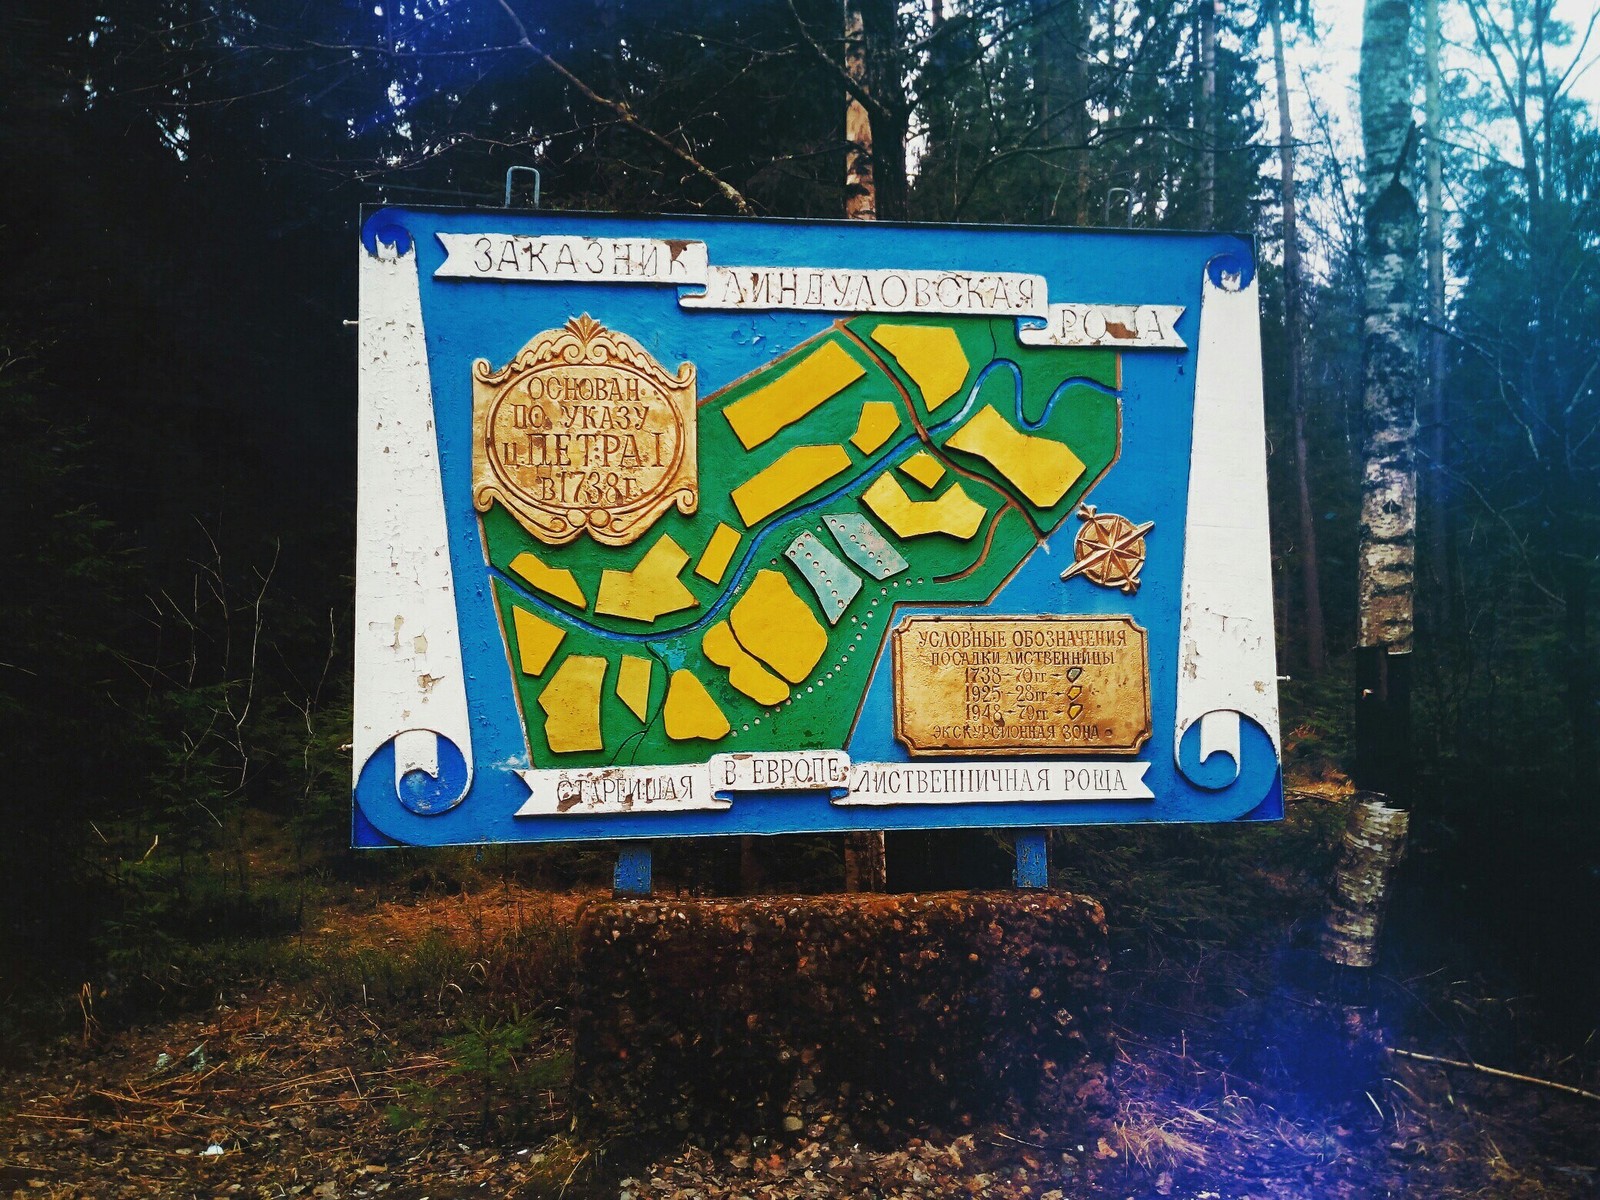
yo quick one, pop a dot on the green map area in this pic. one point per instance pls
(864, 469)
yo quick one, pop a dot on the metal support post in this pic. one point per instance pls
(1033, 859)
(632, 876)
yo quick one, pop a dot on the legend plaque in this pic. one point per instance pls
(1021, 685)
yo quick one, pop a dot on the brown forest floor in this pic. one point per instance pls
(365, 1073)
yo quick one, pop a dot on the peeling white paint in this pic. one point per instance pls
(1227, 656)
(410, 687)
(600, 790)
(416, 750)
(1219, 730)
(1124, 326)
(558, 258)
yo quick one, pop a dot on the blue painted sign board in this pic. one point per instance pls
(678, 526)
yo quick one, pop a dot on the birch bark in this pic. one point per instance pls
(860, 176)
(1375, 839)
(1386, 579)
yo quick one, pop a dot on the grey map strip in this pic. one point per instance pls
(865, 546)
(830, 578)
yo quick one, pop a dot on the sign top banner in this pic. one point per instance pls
(556, 258)
(691, 526)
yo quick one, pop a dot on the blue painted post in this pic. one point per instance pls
(632, 876)
(1033, 859)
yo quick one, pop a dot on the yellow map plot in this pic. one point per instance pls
(930, 354)
(550, 580)
(649, 590)
(1042, 468)
(816, 378)
(537, 640)
(744, 672)
(924, 468)
(719, 550)
(571, 703)
(878, 421)
(633, 685)
(777, 627)
(690, 712)
(786, 480)
(954, 512)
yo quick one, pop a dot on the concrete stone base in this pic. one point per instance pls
(761, 1016)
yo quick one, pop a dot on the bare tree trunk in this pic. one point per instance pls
(1385, 584)
(860, 176)
(1208, 119)
(1310, 570)
(1058, 40)
(1438, 490)
(1078, 119)
(875, 132)
(938, 111)
(865, 862)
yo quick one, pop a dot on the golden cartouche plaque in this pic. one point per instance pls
(584, 431)
(1021, 685)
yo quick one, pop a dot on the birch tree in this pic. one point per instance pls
(1385, 583)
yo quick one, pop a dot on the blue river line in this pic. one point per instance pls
(1016, 395)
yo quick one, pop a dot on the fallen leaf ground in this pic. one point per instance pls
(375, 1069)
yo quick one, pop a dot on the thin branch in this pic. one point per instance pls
(1495, 1071)
(623, 111)
(1479, 21)
(875, 107)
(1499, 515)
(1582, 388)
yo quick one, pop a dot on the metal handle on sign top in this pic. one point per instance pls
(538, 183)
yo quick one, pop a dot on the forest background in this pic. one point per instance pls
(177, 408)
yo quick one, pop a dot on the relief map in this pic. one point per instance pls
(681, 526)
(888, 462)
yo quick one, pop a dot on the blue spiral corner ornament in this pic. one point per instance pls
(382, 226)
(1232, 270)
(1252, 774)
(416, 791)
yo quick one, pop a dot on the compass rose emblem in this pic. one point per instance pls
(1109, 550)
